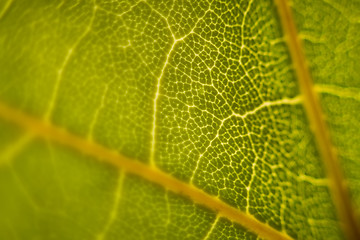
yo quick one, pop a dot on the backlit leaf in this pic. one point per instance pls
(153, 119)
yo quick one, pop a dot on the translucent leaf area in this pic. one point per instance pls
(203, 93)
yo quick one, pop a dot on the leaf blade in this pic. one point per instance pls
(147, 172)
(312, 105)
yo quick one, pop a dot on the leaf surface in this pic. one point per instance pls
(332, 47)
(170, 120)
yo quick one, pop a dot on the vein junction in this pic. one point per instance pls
(152, 174)
(204, 92)
(313, 108)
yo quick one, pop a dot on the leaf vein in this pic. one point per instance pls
(314, 112)
(61, 136)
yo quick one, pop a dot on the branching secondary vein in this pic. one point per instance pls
(339, 191)
(61, 136)
(63, 66)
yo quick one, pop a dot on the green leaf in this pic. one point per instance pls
(178, 119)
(332, 47)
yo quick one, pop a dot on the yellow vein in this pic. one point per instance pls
(211, 230)
(97, 112)
(155, 111)
(6, 8)
(353, 93)
(114, 209)
(14, 148)
(64, 64)
(312, 106)
(47, 131)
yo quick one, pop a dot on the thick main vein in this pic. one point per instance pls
(312, 106)
(59, 135)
